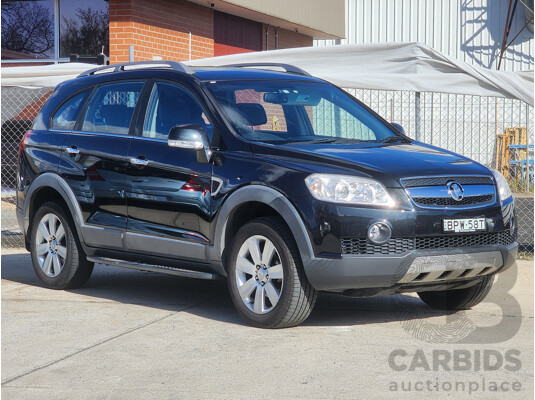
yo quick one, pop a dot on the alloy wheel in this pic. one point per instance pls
(259, 274)
(50, 245)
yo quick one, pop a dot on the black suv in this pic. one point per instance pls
(279, 181)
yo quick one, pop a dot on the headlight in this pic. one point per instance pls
(348, 189)
(504, 190)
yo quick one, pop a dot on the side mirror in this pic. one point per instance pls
(191, 137)
(398, 127)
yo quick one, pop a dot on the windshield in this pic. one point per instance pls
(293, 111)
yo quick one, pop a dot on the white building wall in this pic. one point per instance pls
(469, 30)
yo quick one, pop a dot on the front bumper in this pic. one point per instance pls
(409, 269)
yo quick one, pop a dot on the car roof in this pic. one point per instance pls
(173, 69)
(253, 73)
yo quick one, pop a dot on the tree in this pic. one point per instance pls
(27, 27)
(86, 34)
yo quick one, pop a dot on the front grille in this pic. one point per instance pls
(443, 180)
(476, 239)
(402, 245)
(448, 201)
(363, 246)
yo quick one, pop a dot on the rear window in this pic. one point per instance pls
(111, 108)
(65, 117)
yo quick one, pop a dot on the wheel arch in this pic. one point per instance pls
(251, 202)
(50, 187)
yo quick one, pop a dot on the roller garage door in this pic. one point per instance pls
(234, 35)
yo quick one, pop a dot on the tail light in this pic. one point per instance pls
(24, 141)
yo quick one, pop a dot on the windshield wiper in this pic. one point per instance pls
(338, 140)
(325, 140)
(391, 139)
(328, 140)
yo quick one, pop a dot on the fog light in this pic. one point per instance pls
(379, 233)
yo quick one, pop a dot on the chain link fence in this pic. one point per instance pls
(493, 131)
(19, 108)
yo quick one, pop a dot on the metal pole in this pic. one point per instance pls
(432, 120)
(527, 149)
(417, 115)
(56, 31)
(337, 121)
(131, 53)
(506, 32)
(189, 45)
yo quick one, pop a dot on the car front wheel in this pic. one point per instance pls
(266, 278)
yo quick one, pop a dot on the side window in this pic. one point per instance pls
(170, 105)
(65, 117)
(111, 108)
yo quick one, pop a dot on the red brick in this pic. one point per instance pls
(160, 28)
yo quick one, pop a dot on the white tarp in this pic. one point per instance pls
(384, 66)
(392, 66)
(42, 76)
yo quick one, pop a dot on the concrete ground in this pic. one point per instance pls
(131, 334)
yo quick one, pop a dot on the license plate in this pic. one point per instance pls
(465, 225)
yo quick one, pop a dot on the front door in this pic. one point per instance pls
(168, 191)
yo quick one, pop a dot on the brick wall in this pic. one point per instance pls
(287, 39)
(160, 28)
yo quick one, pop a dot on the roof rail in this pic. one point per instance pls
(176, 66)
(287, 67)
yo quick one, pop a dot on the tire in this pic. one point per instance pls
(458, 299)
(250, 275)
(57, 256)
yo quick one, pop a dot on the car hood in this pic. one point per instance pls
(385, 162)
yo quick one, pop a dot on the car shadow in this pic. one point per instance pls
(210, 299)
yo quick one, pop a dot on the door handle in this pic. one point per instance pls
(138, 161)
(72, 150)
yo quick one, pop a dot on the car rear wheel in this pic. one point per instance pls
(57, 256)
(458, 299)
(266, 278)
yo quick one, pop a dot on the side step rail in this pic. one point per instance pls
(153, 268)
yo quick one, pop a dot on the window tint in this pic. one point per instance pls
(169, 106)
(65, 117)
(111, 107)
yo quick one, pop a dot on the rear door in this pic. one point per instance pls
(61, 123)
(168, 191)
(95, 161)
